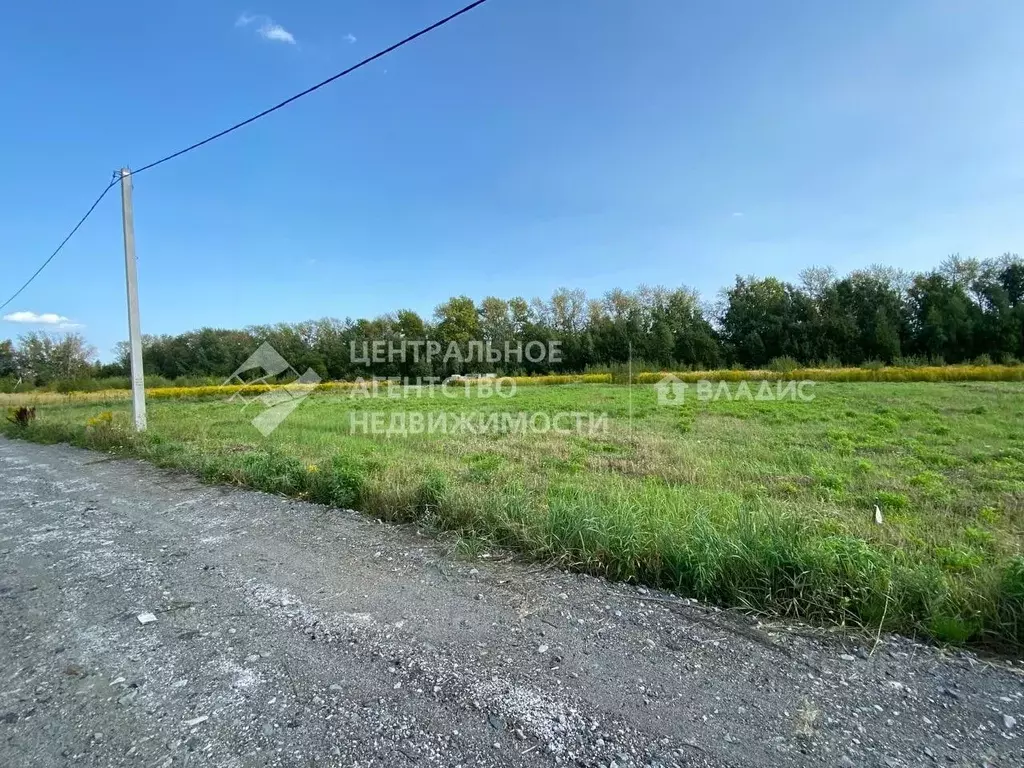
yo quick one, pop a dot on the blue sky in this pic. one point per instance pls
(529, 145)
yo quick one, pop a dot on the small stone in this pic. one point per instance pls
(1009, 721)
(649, 643)
(252, 657)
(473, 571)
(336, 688)
(146, 618)
(542, 649)
(197, 720)
(97, 736)
(847, 657)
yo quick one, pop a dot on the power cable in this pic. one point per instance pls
(316, 87)
(62, 244)
(244, 123)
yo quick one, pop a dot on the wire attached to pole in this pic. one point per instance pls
(236, 126)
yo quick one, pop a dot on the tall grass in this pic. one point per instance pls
(759, 505)
(782, 368)
(710, 545)
(42, 397)
(785, 369)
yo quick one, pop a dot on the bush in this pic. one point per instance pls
(21, 416)
(783, 365)
(913, 361)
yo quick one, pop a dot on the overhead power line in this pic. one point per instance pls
(242, 124)
(316, 87)
(63, 242)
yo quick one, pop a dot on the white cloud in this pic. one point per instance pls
(34, 318)
(350, 37)
(268, 29)
(738, 215)
(277, 32)
(52, 319)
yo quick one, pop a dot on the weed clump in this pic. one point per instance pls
(22, 416)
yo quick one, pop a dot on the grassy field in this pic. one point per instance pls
(869, 373)
(763, 505)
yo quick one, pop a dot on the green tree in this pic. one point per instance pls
(694, 340)
(8, 361)
(860, 318)
(766, 319)
(944, 320)
(458, 323)
(44, 359)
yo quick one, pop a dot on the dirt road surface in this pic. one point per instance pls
(292, 634)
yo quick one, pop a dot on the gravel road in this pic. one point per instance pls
(288, 633)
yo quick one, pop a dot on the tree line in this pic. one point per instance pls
(964, 310)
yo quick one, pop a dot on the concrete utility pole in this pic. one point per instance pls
(134, 330)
